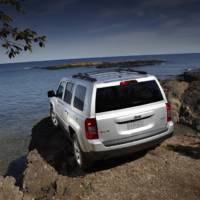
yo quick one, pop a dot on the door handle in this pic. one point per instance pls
(65, 110)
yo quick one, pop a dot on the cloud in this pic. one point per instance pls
(110, 27)
(169, 3)
(77, 28)
(48, 6)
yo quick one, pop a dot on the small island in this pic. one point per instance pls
(102, 64)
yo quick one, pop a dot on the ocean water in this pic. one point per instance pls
(24, 86)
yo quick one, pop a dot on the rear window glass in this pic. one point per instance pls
(125, 96)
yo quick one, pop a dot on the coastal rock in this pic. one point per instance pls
(192, 97)
(8, 189)
(174, 91)
(42, 181)
(190, 111)
(192, 75)
(184, 97)
(39, 177)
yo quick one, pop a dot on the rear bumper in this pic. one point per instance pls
(100, 151)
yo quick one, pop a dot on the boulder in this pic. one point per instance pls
(190, 110)
(192, 75)
(184, 97)
(174, 91)
(8, 189)
(42, 181)
(39, 177)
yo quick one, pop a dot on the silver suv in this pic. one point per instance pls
(112, 112)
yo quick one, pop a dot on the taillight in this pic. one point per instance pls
(168, 108)
(128, 82)
(91, 130)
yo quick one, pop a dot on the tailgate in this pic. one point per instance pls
(129, 112)
(132, 124)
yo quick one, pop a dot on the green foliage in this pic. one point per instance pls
(13, 39)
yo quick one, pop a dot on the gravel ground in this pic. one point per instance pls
(171, 171)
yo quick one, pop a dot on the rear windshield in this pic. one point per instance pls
(125, 96)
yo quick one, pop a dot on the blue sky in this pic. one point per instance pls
(93, 28)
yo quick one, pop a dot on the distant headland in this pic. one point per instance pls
(102, 64)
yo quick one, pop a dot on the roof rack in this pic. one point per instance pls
(84, 76)
(87, 76)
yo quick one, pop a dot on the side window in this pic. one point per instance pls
(68, 92)
(79, 97)
(60, 90)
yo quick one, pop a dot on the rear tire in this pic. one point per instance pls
(54, 119)
(79, 156)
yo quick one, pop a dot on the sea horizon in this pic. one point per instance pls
(99, 57)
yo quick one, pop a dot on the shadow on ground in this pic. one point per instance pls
(16, 169)
(53, 145)
(190, 151)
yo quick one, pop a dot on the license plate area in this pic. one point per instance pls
(135, 125)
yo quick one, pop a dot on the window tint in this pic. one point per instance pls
(134, 94)
(68, 92)
(79, 97)
(60, 90)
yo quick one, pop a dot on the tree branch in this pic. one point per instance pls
(13, 39)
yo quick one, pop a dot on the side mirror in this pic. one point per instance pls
(51, 93)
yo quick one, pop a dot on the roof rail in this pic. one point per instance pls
(119, 69)
(84, 76)
(131, 70)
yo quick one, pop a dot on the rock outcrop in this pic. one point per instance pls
(184, 96)
(192, 75)
(190, 110)
(39, 177)
(174, 91)
(42, 181)
(8, 189)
